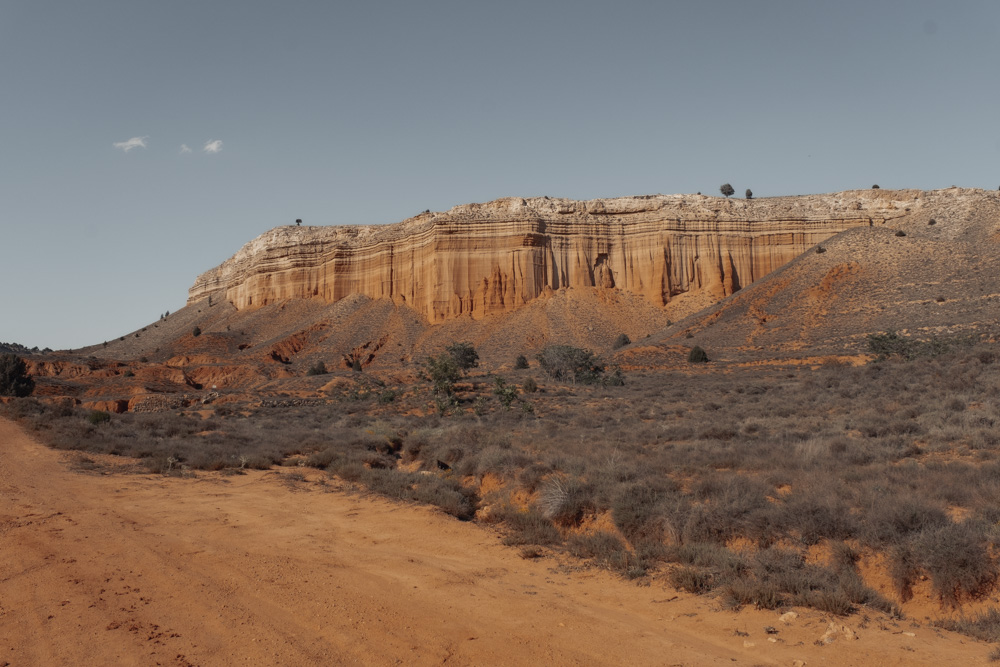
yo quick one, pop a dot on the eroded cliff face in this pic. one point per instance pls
(481, 259)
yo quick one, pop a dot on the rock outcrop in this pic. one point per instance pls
(481, 259)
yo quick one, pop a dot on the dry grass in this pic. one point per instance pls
(876, 459)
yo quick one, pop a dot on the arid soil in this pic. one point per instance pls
(261, 569)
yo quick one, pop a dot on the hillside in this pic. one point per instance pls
(934, 271)
(677, 271)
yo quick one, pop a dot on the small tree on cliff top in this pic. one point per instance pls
(727, 190)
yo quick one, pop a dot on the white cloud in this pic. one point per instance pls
(213, 146)
(185, 149)
(134, 142)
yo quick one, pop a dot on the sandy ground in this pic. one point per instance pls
(128, 569)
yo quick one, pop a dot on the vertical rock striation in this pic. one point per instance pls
(481, 259)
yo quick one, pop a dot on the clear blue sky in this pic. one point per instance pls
(370, 112)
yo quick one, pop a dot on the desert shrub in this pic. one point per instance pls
(714, 557)
(500, 461)
(635, 510)
(742, 592)
(727, 190)
(319, 368)
(521, 363)
(691, 579)
(776, 577)
(464, 354)
(984, 625)
(613, 379)
(566, 501)
(820, 250)
(608, 551)
(447, 494)
(904, 568)
(817, 516)
(526, 527)
(843, 556)
(955, 405)
(505, 393)
(887, 344)
(900, 233)
(892, 344)
(196, 332)
(529, 386)
(749, 194)
(14, 378)
(895, 517)
(566, 361)
(621, 341)
(98, 417)
(325, 458)
(732, 507)
(443, 372)
(697, 355)
(958, 561)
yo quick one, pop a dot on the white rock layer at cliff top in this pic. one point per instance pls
(481, 259)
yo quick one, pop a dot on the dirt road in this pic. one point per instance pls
(130, 569)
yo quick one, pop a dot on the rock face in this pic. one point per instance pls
(482, 259)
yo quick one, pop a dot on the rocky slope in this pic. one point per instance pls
(481, 259)
(932, 272)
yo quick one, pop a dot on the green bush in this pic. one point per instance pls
(566, 361)
(442, 372)
(506, 393)
(318, 369)
(98, 417)
(697, 355)
(889, 344)
(14, 378)
(464, 354)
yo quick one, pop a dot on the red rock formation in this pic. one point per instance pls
(481, 259)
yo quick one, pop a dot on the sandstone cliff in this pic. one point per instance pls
(480, 259)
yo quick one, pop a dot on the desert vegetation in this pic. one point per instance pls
(14, 378)
(765, 486)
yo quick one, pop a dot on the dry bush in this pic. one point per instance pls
(684, 464)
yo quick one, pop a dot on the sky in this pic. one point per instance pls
(143, 142)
